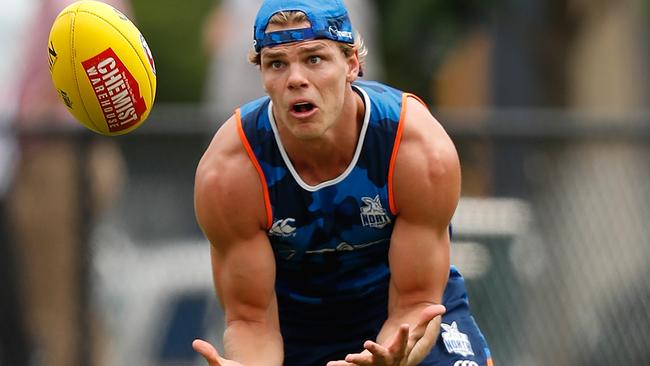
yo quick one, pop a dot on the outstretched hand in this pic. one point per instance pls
(407, 347)
(211, 355)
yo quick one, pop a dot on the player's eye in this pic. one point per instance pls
(275, 64)
(315, 60)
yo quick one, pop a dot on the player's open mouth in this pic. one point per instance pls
(303, 110)
(303, 107)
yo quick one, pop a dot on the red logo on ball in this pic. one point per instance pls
(117, 91)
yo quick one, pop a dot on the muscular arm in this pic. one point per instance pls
(230, 209)
(426, 191)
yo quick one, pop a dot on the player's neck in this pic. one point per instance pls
(326, 158)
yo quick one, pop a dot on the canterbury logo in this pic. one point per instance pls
(283, 227)
(465, 363)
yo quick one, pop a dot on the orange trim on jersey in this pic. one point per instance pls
(398, 138)
(256, 164)
(489, 362)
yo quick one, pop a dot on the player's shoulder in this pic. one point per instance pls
(224, 149)
(226, 178)
(427, 168)
(423, 132)
(227, 182)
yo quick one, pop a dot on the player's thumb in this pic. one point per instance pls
(430, 312)
(207, 351)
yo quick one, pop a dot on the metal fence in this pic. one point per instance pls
(551, 233)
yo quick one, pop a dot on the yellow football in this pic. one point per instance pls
(101, 67)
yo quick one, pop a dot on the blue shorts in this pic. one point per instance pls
(460, 342)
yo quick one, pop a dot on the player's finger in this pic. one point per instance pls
(207, 351)
(397, 345)
(358, 359)
(377, 349)
(363, 359)
(426, 316)
(340, 363)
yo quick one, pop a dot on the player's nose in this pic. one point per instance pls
(297, 77)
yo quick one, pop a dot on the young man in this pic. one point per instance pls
(327, 205)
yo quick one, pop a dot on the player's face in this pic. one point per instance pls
(308, 82)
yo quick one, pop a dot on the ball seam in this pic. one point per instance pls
(73, 57)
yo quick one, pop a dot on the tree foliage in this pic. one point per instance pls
(173, 30)
(417, 34)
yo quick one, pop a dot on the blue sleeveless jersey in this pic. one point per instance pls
(331, 240)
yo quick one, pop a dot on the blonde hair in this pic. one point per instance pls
(288, 18)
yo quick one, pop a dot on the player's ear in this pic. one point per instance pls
(354, 67)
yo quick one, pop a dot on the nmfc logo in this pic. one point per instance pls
(372, 214)
(456, 341)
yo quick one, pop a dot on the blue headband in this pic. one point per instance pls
(328, 18)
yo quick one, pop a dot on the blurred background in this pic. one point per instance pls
(101, 260)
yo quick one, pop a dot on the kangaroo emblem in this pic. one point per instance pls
(373, 214)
